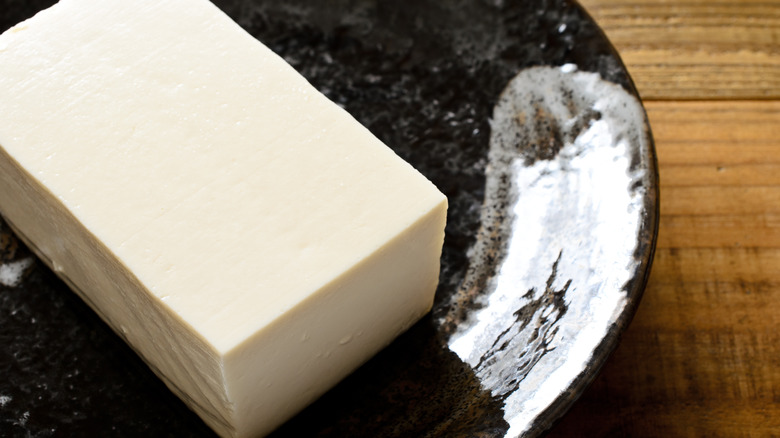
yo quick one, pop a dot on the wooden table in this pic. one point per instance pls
(702, 356)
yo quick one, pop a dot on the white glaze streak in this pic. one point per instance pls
(581, 206)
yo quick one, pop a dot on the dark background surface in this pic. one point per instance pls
(423, 78)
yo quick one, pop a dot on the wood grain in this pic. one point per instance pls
(696, 49)
(702, 356)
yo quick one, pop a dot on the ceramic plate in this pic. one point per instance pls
(524, 116)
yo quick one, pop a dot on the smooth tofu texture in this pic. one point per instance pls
(246, 236)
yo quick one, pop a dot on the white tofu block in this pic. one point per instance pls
(246, 236)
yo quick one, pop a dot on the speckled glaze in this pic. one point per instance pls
(523, 115)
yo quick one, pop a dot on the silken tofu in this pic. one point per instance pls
(245, 235)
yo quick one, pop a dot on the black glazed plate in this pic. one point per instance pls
(524, 116)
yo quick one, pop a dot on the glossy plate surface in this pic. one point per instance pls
(524, 116)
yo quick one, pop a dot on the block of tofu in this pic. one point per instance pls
(245, 235)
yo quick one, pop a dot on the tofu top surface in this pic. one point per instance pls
(220, 177)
